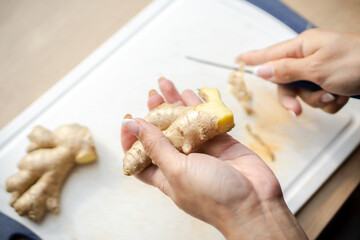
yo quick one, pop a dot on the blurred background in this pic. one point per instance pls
(42, 40)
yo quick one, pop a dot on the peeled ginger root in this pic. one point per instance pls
(187, 127)
(51, 155)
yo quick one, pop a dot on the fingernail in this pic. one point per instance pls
(293, 113)
(264, 71)
(327, 97)
(132, 126)
(161, 79)
(152, 92)
(128, 116)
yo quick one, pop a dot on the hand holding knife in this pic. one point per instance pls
(254, 70)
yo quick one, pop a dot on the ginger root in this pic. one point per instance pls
(51, 155)
(187, 127)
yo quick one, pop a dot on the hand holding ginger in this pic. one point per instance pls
(224, 184)
(51, 155)
(328, 58)
(187, 127)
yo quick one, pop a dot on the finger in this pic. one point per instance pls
(287, 98)
(336, 105)
(190, 98)
(127, 138)
(169, 91)
(288, 70)
(288, 49)
(155, 177)
(157, 146)
(317, 99)
(224, 147)
(154, 99)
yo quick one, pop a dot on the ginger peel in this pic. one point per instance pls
(245, 97)
(186, 127)
(51, 155)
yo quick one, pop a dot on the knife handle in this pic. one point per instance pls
(309, 86)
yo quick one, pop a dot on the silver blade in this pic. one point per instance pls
(216, 64)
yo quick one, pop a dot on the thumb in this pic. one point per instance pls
(156, 145)
(285, 70)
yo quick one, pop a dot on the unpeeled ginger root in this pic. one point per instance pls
(51, 155)
(186, 127)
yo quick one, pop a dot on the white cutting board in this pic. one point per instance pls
(97, 200)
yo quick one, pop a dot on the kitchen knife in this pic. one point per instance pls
(253, 70)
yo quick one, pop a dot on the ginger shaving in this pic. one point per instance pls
(240, 91)
(264, 148)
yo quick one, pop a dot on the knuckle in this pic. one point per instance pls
(329, 85)
(174, 173)
(312, 102)
(151, 143)
(178, 170)
(310, 98)
(335, 38)
(314, 71)
(285, 70)
(282, 70)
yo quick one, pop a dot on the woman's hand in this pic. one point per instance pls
(224, 184)
(328, 58)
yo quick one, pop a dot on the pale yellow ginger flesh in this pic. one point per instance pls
(215, 106)
(187, 127)
(240, 91)
(51, 155)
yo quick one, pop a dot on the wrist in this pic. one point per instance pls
(243, 220)
(281, 221)
(269, 219)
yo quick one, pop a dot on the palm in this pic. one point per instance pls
(250, 165)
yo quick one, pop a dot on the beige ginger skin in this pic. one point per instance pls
(51, 155)
(187, 127)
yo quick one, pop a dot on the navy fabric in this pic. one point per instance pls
(12, 230)
(284, 14)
